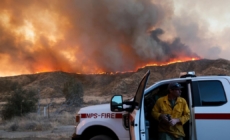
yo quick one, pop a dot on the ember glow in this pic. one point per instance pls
(172, 62)
(90, 36)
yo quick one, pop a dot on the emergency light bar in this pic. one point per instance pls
(187, 74)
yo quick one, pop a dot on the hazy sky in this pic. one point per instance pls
(204, 26)
(93, 36)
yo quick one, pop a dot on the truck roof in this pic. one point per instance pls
(211, 77)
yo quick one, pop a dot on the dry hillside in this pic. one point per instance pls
(95, 89)
(50, 85)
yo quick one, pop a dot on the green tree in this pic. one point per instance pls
(19, 103)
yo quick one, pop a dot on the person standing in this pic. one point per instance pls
(172, 112)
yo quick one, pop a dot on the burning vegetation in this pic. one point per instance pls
(86, 36)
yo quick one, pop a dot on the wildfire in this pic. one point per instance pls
(173, 61)
(68, 36)
(147, 65)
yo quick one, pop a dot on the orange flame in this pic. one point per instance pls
(147, 65)
(64, 36)
(173, 61)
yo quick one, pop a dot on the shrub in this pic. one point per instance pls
(14, 127)
(19, 103)
(73, 92)
(8, 85)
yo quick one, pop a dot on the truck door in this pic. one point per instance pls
(210, 109)
(137, 127)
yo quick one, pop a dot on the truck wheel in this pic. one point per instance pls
(101, 137)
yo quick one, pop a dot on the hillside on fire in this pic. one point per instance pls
(51, 85)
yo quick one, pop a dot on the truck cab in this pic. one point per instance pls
(206, 96)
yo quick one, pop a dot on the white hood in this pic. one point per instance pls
(95, 109)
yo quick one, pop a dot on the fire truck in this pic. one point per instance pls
(207, 98)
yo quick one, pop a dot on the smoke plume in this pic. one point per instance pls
(85, 36)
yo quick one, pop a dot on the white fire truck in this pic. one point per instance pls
(207, 98)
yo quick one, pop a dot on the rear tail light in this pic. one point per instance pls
(78, 118)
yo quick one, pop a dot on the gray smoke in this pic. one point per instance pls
(84, 36)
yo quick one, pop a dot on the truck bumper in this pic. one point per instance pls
(76, 137)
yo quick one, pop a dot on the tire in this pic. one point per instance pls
(101, 137)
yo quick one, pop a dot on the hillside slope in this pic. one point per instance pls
(51, 84)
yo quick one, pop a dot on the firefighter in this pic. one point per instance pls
(172, 113)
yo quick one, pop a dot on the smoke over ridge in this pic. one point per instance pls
(85, 36)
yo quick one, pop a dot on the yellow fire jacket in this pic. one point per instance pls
(180, 111)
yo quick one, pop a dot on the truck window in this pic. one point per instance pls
(208, 93)
(153, 96)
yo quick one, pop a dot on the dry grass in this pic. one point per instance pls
(94, 100)
(35, 122)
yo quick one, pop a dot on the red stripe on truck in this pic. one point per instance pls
(83, 115)
(118, 115)
(212, 116)
(102, 115)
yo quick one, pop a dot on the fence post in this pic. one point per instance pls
(44, 111)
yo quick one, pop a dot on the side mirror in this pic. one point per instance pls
(116, 104)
